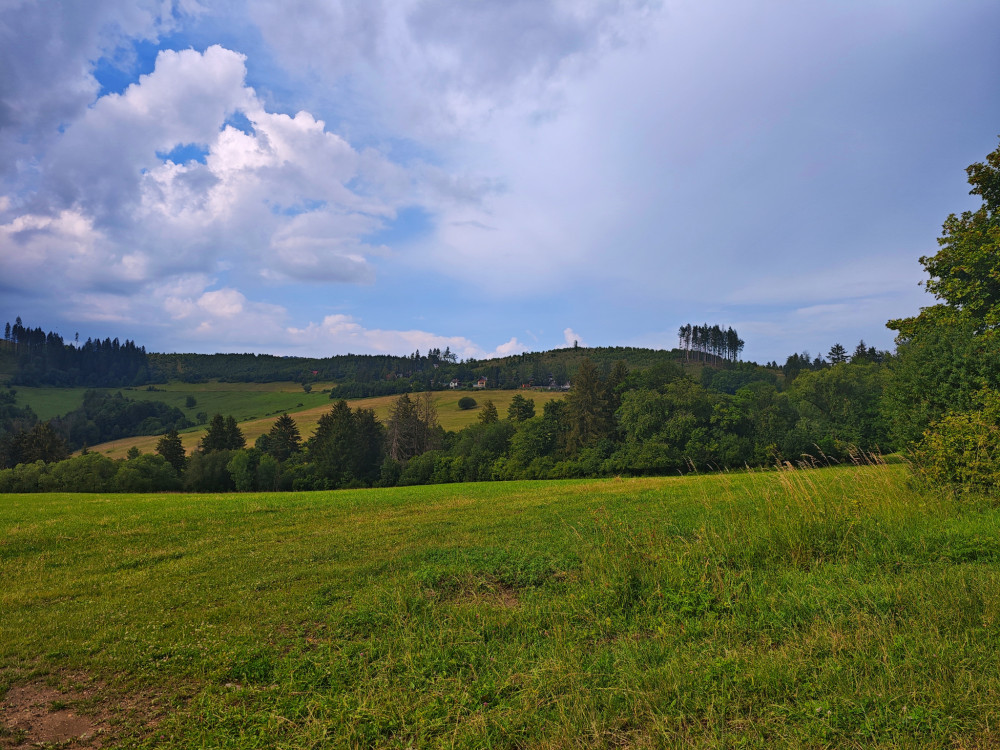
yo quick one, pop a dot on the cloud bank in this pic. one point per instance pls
(302, 176)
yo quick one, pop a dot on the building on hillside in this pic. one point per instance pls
(481, 383)
(454, 383)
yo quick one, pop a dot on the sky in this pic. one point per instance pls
(314, 177)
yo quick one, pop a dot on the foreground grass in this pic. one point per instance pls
(307, 417)
(827, 608)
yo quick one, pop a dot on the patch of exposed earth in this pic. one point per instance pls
(70, 711)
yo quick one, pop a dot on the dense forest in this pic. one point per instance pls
(44, 358)
(628, 412)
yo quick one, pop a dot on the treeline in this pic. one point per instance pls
(710, 342)
(365, 375)
(804, 362)
(613, 422)
(43, 358)
(22, 439)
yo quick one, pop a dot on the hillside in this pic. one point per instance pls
(306, 413)
(830, 608)
(433, 369)
(243, 400)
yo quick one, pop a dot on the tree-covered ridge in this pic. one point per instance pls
(100, 418)
(365, 375)
(43, 358)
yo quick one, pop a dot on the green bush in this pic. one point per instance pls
(467, 402)
(962, 450)
(147, 473)
(90, 472)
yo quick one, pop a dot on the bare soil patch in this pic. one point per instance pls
(486, 591)
(71, 711)
(36, 714)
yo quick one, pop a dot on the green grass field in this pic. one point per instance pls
(307, 417)
(822, 608)
(244, 401)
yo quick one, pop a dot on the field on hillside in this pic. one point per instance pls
(306, 418)
(823, 608)
(243, 400)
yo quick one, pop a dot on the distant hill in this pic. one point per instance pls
(33, 357)
(396, 374)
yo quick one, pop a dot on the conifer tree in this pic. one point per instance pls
(489, 414)
(215, 438)
(588, 408)
(837, 354)
(521, 409)
(284, 438)
(408, 430)
(331, 448)
(234, 435)
(171, 448)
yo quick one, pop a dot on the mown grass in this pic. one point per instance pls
(306, 418)
(823, 608)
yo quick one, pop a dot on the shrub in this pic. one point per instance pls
(147, 473)
(467, 402)
(90, 472)
(962, 450)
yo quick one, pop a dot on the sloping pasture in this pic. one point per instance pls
(449, 416)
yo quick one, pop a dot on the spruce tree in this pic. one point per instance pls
(171, 448)
(521, 409)
(284, 438)
(403, 429)
(589, 408)
(234, 435)
(215, 437)
(331, 447)
(489, 414)
(837, 354)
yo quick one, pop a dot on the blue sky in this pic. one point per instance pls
(315, 177)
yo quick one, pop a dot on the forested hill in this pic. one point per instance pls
(383, 373)
(33, 357)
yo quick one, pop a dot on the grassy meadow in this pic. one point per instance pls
(306, 411)
(244, 401)
(836, 607)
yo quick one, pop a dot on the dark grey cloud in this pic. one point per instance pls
(431, 69)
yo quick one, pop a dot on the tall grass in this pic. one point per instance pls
(833, 607)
